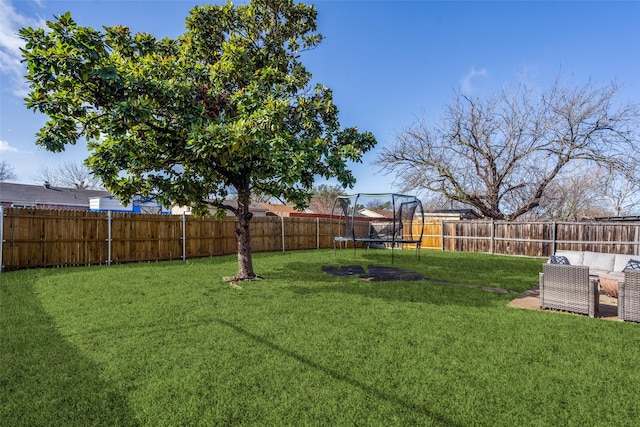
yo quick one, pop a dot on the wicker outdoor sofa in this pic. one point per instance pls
(570, 282)
(629, 297)
(569, 288)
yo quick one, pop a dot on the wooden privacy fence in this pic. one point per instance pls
(49, 238)
(534, 239)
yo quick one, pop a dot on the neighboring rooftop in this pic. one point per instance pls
(453, 213)
(376, 213)
(46, 196)
(279, 209)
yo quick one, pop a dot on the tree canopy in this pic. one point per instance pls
(500, 155)
(227, 107)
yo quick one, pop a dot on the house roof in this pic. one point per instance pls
(280, 210)
(376, 213)
(628, 218)
(41, 194)
(458, 213)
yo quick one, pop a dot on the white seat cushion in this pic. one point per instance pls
(599, 260)
(574, 257)
(622, 260)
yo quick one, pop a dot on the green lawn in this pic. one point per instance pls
(170, 344)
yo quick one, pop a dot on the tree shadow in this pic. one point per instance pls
(44, 379)
(406, 286)
(336, 375)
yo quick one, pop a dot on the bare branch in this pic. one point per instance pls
(502, 154)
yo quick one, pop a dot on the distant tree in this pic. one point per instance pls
(6, 172)
(571, 198)
(620, 189)
(228, 105)
(67, 175)
(323, 197)
(501, 155)
(436, 202)
(378, 204)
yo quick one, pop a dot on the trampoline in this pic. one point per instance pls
(384, 220)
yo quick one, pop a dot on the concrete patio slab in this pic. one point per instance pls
(530, 299)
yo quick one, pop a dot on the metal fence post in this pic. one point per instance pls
(184, 236)
(282, 227)
(1, 236)
(493, 237)
(109, 238)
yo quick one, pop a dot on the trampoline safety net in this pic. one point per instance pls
(378, 220)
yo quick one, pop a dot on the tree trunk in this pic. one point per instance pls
(243, 234)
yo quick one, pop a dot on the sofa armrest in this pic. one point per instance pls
(629, 297)
(569, 288)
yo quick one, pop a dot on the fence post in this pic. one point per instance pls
(493, 236)
(109, 238)
(553, 238)
(442, 233)
(317, 233)
(1, 236)
(282, 228)
(184, 236)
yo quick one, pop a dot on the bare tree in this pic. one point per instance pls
(621, 189)
(437, 202)
(573, 197)
(324, 197)
(6, 172)
(500, 155)
(46, 174)
(68, 175)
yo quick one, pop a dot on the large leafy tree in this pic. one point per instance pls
(227, 108)
(502, 155)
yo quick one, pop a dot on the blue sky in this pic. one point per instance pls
(389, 63)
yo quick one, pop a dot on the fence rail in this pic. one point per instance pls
(50, 238)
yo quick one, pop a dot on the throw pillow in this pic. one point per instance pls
(633, 264)
(559, 259)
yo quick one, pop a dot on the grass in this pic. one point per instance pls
(170, 344)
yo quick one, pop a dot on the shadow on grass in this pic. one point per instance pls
(425, 291)
(421, 292)
(371, 391)
(44, 380)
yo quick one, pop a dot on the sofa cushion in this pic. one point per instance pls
(574, 257)
(632, 265)
(622, 260)
(599, 260)
(559, 259)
